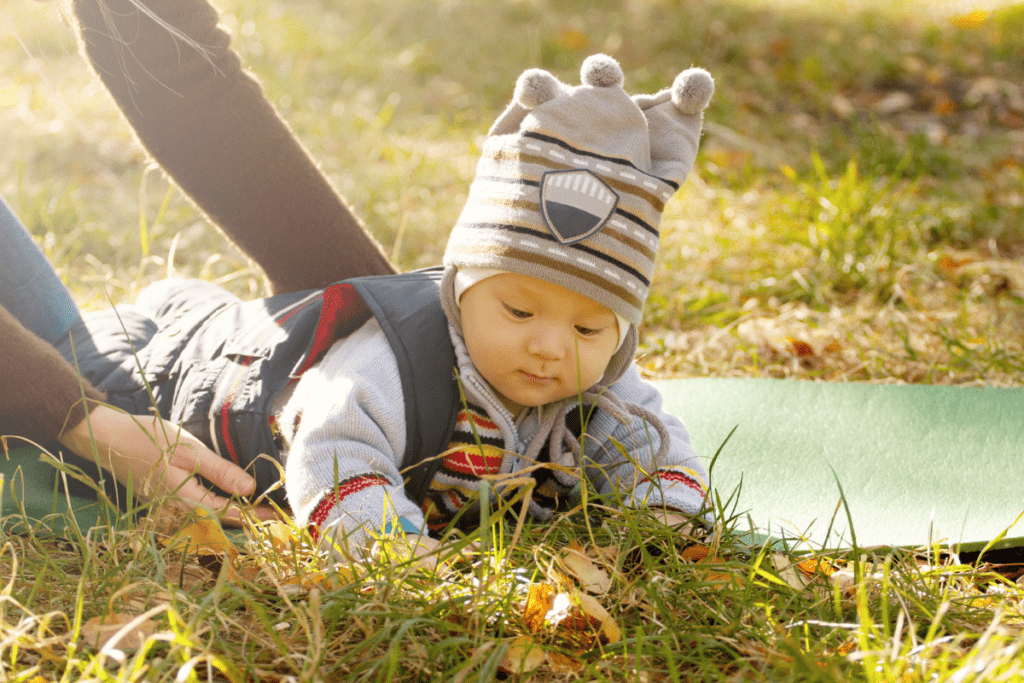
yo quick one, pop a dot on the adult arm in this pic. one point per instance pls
(42, 401)
(207, 123)
(42, 396)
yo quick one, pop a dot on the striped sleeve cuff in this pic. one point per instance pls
(358, 507)
(677, 487)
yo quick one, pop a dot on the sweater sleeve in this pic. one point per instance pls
(679, 480)
(207, 123)
(347, 422)
(42, 394)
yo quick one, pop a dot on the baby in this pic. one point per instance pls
(544, 280)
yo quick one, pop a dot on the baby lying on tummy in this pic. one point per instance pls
(544, 280)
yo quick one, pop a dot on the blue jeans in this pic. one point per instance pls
(29, 286)
(101, 344)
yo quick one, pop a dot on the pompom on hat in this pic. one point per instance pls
(572, 182)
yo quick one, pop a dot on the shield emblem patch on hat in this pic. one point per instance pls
(575, 204)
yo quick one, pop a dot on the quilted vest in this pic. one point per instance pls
(218, 372)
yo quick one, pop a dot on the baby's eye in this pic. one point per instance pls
(587, 331)
(516, 313)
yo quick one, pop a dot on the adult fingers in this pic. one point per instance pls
(233, 515)
(194, 457)
(191, 491)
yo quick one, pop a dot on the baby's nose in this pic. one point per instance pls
(546, 343)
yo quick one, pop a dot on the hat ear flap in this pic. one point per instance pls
(533, 88)
(674, 118)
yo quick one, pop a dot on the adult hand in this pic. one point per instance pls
(161, 459)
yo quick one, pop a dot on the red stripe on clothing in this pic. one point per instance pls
(225, 419)
(344, 490)
(225, 431)
(343, 311)
(294, 311)
(479, 420)
(671, 475)
(471, 461)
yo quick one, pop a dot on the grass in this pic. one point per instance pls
(856, 213)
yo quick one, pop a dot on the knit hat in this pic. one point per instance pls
(572, 183)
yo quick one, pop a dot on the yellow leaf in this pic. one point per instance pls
(98, 631)
(282, 536)
(538, 602)
(817, 565)
(522, 656)
(204, 536)
(592, 578)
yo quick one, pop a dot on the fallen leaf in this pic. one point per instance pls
(844, 580)
(608, 554)
(592, 578)
(189, 576)
(539, 600)
(593, 609)
(522, 656)
(800, 347)
(563, 664)
(98, 631)
(695, 553)
(788, 572)
(284, 537)
(204, 536)
(817, 565)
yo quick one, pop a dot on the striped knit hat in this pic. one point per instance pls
(572, 183)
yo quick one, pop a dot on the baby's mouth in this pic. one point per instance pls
(537, 379)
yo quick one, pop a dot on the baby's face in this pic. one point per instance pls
(525, 335)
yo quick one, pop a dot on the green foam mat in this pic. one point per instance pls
(30, 494)
(917, 464)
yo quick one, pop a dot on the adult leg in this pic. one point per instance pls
(29, 286)
(207, 122)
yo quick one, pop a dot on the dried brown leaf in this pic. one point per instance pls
(609, 630)
(563, 664)
(522, 656)
(592, 578)
(98, 631)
